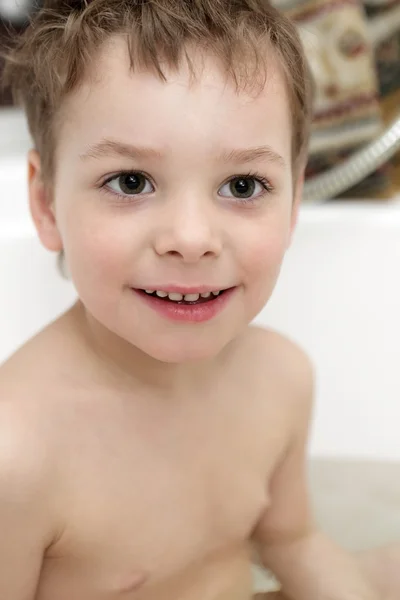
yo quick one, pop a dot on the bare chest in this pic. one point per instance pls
(199, 494)
(160, 499)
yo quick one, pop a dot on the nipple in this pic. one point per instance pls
(131, 583)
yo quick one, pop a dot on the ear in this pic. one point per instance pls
(41, 205)
(297, 197)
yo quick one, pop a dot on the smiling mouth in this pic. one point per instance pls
(188, 299)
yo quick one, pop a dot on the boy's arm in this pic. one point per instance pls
(307, 564)
(24, 510)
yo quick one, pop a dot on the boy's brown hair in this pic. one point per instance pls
(55, 53)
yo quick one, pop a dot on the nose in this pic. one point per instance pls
(188, 230)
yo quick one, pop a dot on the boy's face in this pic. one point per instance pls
(205, 202)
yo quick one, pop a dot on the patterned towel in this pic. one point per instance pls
(354, 54)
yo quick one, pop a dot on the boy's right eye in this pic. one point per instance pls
(130, 183)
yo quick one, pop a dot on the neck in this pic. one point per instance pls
(124, 366)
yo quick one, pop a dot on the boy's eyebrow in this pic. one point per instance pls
(109, 147)
(253, 154)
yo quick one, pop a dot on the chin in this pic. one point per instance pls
(181, 352)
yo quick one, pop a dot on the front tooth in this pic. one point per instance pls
(206, 295)
(175, 297)
(162, 294)
(216, 293)
(191, 297)
(149, 291)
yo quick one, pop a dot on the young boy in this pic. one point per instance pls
(150, 440)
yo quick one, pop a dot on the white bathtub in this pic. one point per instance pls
(338, 296)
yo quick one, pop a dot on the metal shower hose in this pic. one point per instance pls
(354, 169)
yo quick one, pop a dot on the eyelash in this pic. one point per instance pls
(266, 184)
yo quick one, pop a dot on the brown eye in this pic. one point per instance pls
(247, 188)
(130, 184)
(242, 187)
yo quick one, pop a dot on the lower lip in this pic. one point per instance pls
(187, 313)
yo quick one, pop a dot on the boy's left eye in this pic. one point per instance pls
(245, 187)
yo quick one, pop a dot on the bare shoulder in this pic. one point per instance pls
(25, 453)
(278, 360)
(270, 347)
(29, 381)
(30, 516)
(45, 364)
(26, 473)
(30, 392)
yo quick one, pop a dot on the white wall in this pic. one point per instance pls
(338, 296)
(14, 135)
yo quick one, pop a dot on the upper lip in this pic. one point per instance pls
(184, 290)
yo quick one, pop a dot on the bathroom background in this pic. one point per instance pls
(353, 49)
(13, 17)
(339, 293)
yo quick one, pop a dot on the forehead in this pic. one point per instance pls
(194, 115)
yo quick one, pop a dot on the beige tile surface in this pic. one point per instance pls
(356, 503)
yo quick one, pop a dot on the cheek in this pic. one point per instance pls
(266, 248)
(264, 266)
(95, 246)
(266, 255)
(262, 261)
